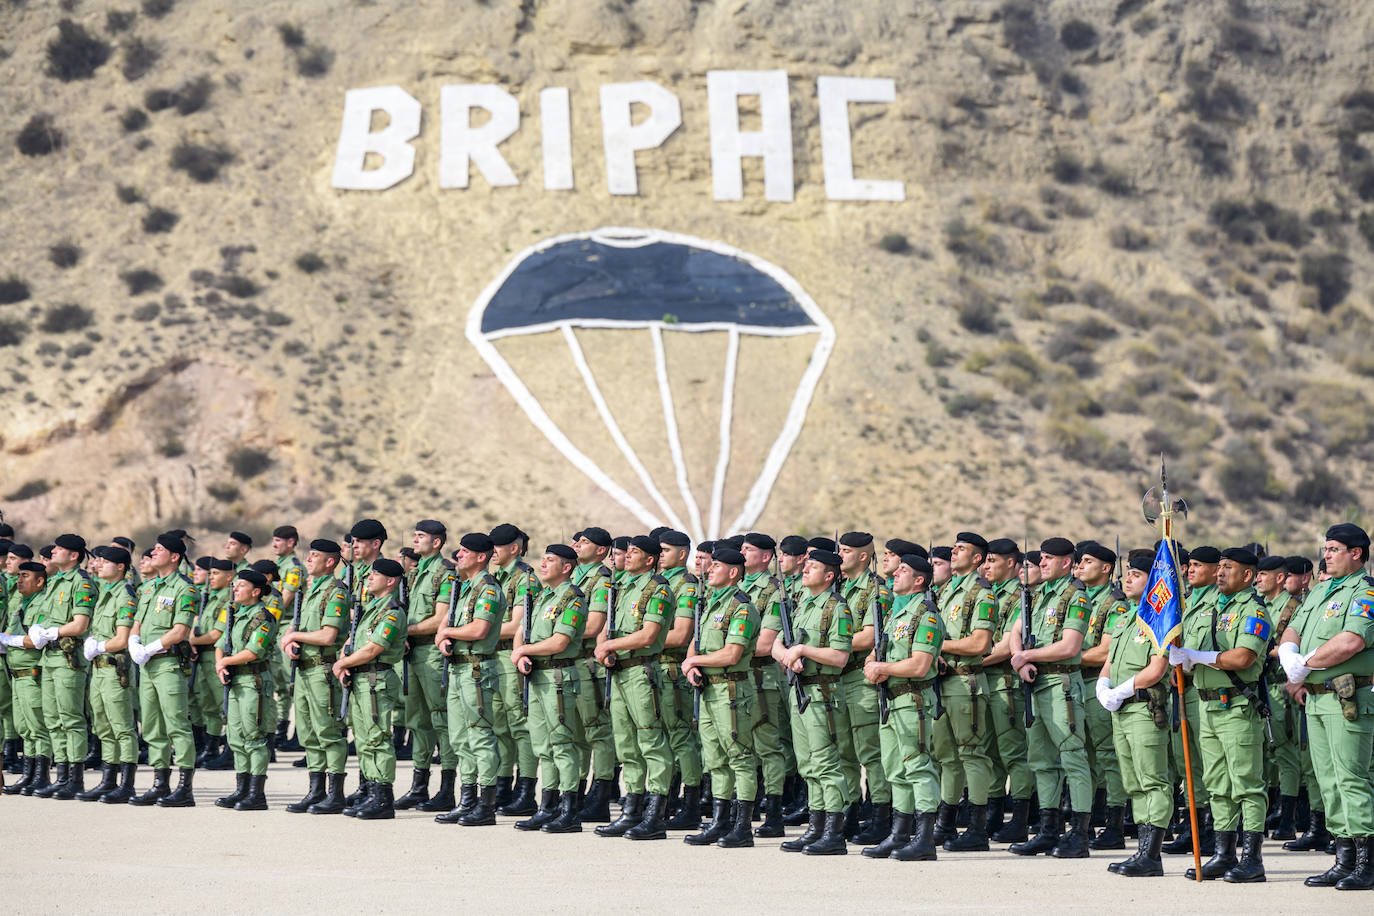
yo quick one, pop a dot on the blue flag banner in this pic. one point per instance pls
(1161, 607)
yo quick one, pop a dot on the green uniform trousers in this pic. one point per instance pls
(207, 696)
(512, 730)
(1101, 746)
(906, 743)
(1283, 763)
(772, 724)
(683, 740)
(164, 713)
(64, 711)
(251, 719)
(376, 694)
(641, 741)
(1056, 750)
(1190, 707)
(28, 712)
(959, 740)
(1232, 743)
(1142, 751)
(861, 747)
(7, 728)
(112, 716)
(1007, 744)
(815, 739)
(728, 714)
(281, 684)
(1340, 762)
(598, 743)
(426, 709)
(318, 728)
(471, 694)
(555, 723)
(1309, 778)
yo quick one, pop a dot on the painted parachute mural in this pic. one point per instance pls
(597, 290)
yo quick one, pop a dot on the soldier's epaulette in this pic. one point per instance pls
(447, 564)
(90, 580)
(489, 579)
(577, 591)
(1369, 581)
(264, 616)
(689, 578)
(983, 581)
(1117, 593)
(131, 589)
(741, 596)
(187, 579)
(1077, 583)
(657, 579)
(604, 570)
(523, 566)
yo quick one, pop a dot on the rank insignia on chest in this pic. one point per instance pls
(1052, 615)
(901, 631)
(719, 618)
(1332, 609)
(551, 613)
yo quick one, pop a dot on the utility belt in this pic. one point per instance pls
(901, 689)
(1091, 674)
(546, 664)
(856, 661)
(1140, 696)
(727, 677)
(963, 670)
(1057, 669)
(25, 672)
(105, 661)
(761, 661)
(464, 658)
(1010, 681)
(374, 667)
(673, 657)
(639, 661)
(1158, 700)
(818, 680)
(250, 668)
(1344, 687)
(1331, 687)
(505, 645)
(305, 664)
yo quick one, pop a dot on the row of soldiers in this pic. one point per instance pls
(930, 677)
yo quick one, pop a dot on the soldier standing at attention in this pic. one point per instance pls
(206, 690)
(630, 651)
(111, 691)
(551, 660)
(824, 628)
(941, 571)
(514, 796)
(64, 615)
(765, 593)
(368, 535)
(683, 740)
(242, 663)
(1297, 580)
(1202, 565)
(1108, 603)
(1284, 761)
(291, 582)
(1056, 749)
(236, 547)
(325, 617)
(593, 577)
(969, 611)
(369, 673)
(1006, 704)
(26, 582)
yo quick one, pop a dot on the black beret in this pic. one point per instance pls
(1099, 552)
(1032, 557)
(760, 540)
(46, 553)
(1298, 566)
(98, 551)
(409, 553)
(503, 534)
(942, 553)
(1142, 560)
(242, 538)
(1205, 554)
(348, 538)
(1003, 547)
(794, 545)
(147, 553)
(178, 533)
(78, 543)
(598, 536)
(918, 564)
(126, 543)
(6, 530)
(621, 542)
(728, 555)
(828, 557)
(647, 544)
(1057, 547)
(172, 544)
(1271, 563)
(267, 568)
(562, 551)
(117, 555)
(900, 546)
(222, 565)
(706, 547)
(475, 541)
(286, 533)
(324, 545)
(657, 531)
(204, 562)
(368, 529)
(432, 527)
(30, 566)
(22, 550)
(671, 538)
(1182, 553)
(856, 539)
(5, 545)
(253, 578)
(734, 541)
(388, 567)
(822, 544)
(1241, 555)
(1344, 533)
(973, 538)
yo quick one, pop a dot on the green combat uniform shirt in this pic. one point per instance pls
(645, 598)
(384, 623)
(731, 620)
(164, 603)
(838, 632)
(115, 608)
(67, 595)
(481, 599)
(325, 603)
(1059, 605)
(560, 610)
(1241, 623)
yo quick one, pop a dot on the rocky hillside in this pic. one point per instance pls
(1129, 228)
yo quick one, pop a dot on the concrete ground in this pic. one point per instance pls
(75, 857)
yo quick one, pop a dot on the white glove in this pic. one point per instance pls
(1120, 694)
(51, 633)
(1180, 656)
(88, 648)
(1292, 662)
(153, 648)
(136, 651)
(38, 636)
(1104, 689)
(100, 647)
(1307, 661)
(14, 642)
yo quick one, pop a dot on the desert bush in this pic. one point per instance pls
(310, 262)
(141, 280)
(128, 194)
(12, 332)
(67, 317)
(1211, 152)
(1365, 225)
(1245, 474)
(13, 289)
(39, 136)
(1329, 274)
(1077, 35)
(238, 286)
(159, 99)
(133, 119)
(147, 312)
(158, 219)
(139, 56)
(1066, 168)
(75, 54)
(1320, 488)
(1128, 238)
(224, 492)
(30, 490)
(1339, 416)
(976, 310)
(156, 9)
(64, 254)
(247, 462)
(1081, 440)
(275, 319)
(1014, 366)
(1013, 215)
(201, 163)
(965, 403)
(973, 245)
(314, 61)
(193, 95)
(293, 36)
(117, 21)
(892, 243)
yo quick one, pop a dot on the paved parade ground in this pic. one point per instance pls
(207, 860)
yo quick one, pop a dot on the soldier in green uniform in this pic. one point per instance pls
(630, 647)
(158, 645)
(1328, 655)
(1283, 764)
(866, 594)
(325, 618)
(1132, 688)
(941, 571)
(516, 779)
(765, 592)
(242, 664)
(683, 739)
(291, 582)
(593, 577)
(915, 633)
(719, 665)
(550, 660)
(1202, 565)
(112, 684)
(13, 745)
(1004, 568)
(1056, 741)
(63, 615)
(366, 537)
(426, 709)
(792, 552)
(1225, 645)
(236, 547)
(823, 627)
(206, 690)
(469, 638)
(1108, 603)
(25, 663)
(1296, 582)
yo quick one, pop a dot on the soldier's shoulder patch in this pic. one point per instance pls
(845, 623)
(572, 616)
(741, 625)
(1257, 626)
(1363, 607)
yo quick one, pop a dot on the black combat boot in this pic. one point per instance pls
(741, 833)
(1113, 836)
(899, 837)
(224, 760)
(945, 816)
(380, 805)
(1207, 826)
(831, 842)
(922, 845)
(1285, 827)
(1074, 844)
(239, 793)
(997, 810)
(719, 826)
(283, 742)
(18, 786)
(256, 798)
(1223, 858)
(596, 807)
(1045, 840)
(63, 769)
(521, 803)
(569, 819)
(1099, 812)
(313, 794)
(772, 818)
(359, 798)
(333, 801)
(1182, 843)
(1250, 868)
(853, 820)
(652, 825)
(1314, 839)
(40, 776)
(815, 827)
(1361, 877)
(800, 812)
(125, 790)
(107, 784)
(1343, 866)
(161, 788)
(467, 797)
(198, 739)
(208, 748)
(505, 785)
(483, 814)
(877, 826)
(418, 794)
(12, 756)
(1146, 863)
(75, 784)
(631, 812)
(400, 741)
(443, 799)
(548, 810)
(182, 797)
(688, 815)
(1014, 830)
(975, 838)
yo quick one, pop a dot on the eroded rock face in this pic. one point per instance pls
(1126, 229)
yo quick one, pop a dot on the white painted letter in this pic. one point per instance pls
(836, 92)
(556, 139)
(773, 142)
(392, 142)
(622, 138)
(462, 144)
